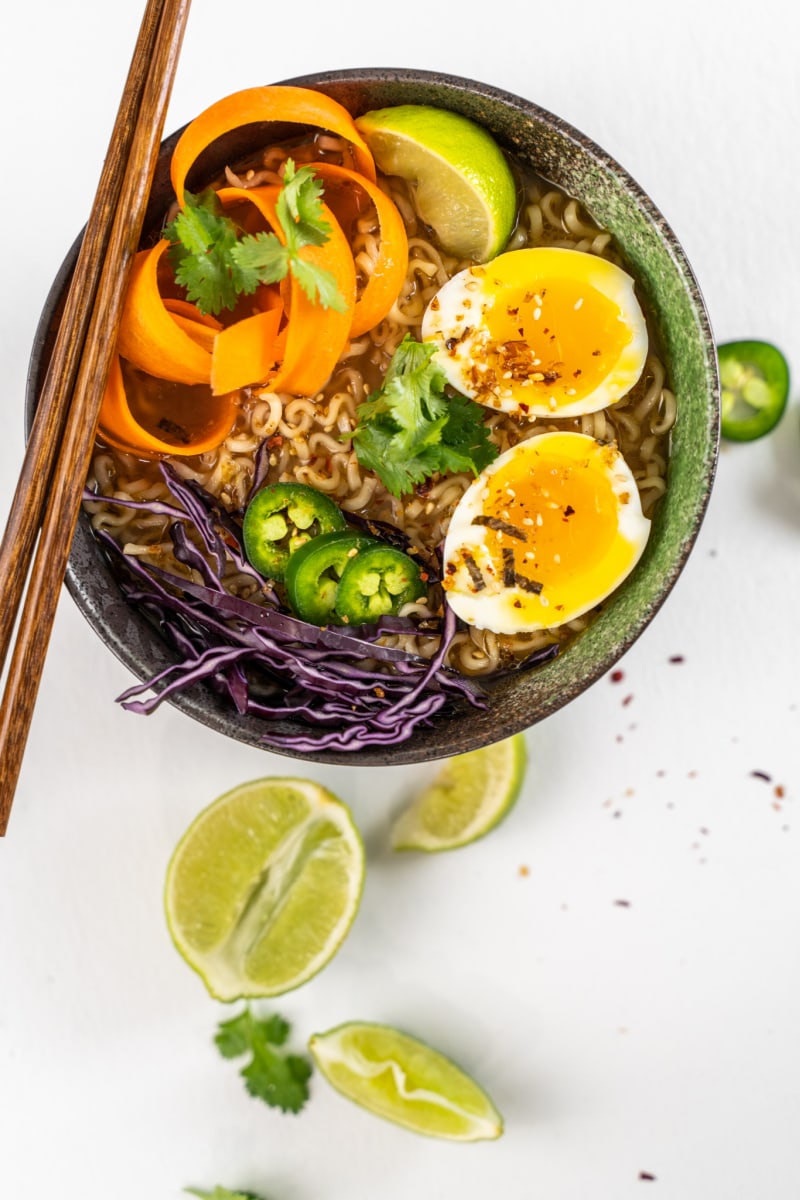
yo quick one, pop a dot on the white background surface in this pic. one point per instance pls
(661, 1036)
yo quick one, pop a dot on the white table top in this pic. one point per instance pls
(656, 1037)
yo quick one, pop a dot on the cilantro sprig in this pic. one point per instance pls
(221, 1193)
(278, 1078)
(216, 262)
(409, 429)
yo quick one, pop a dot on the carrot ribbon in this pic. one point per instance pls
(282, 340)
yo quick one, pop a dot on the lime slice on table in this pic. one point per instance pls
(465, 189)
(404, 1080)
(469, 796)
(264, 886)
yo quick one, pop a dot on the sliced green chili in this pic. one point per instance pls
(376, 582)
(314, 571)
(755, 388)
(280, 519)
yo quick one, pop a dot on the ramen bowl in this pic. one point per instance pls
(521, 698)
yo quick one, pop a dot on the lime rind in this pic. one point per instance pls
(263, 887)
(403, 1080)
(469, 797)
(465, 188)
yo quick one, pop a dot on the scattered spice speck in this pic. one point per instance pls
(676, 658)
(617, 676)
(779, 790)
(626, 700)
(645, 1175)
(524, 871)
(761, 775)
(622, 903)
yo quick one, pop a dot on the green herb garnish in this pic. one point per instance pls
(221, 1193)
(278, 1078)
(216, 263)
(408, 430)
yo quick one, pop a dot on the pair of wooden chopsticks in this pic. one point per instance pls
(48, 496)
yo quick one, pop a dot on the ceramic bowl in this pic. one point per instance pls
(654, 257)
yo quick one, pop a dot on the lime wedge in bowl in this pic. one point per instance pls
(465, 189)
(263, 887)
(470, 796)
(405, 1081)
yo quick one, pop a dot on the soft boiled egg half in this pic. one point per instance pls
(540, 332)
(543, 535)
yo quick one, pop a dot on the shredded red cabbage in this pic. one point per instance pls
(349, 690)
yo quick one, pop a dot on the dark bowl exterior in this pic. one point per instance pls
(583, 169)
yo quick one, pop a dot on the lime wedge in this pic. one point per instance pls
(264, 886)
(470, 795)
(403, 1080)
(465, 189)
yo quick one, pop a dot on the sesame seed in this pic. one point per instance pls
(578, 304)
(537, 312)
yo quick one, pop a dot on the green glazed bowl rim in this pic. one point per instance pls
(655, 257)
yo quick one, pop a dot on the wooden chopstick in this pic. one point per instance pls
(49, 492)
(26, 508)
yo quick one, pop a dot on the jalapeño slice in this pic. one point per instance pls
(377, 582)
(313, 573)
(755, 388)
(280, 519)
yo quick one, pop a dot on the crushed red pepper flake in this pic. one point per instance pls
(676, 658)
(617, 676)
(627, 700)
(779, 791)
(647, 1176)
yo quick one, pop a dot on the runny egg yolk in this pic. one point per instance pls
(540, 331)
(544, 534)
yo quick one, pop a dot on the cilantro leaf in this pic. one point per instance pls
(280, 1079)
(318, 284)
(216, 263)
(221, 1193)
(409, 429)
(203, 240)
(299, 208)
(263, 256)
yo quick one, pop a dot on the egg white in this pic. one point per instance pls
(499, 341)
(543, 535)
